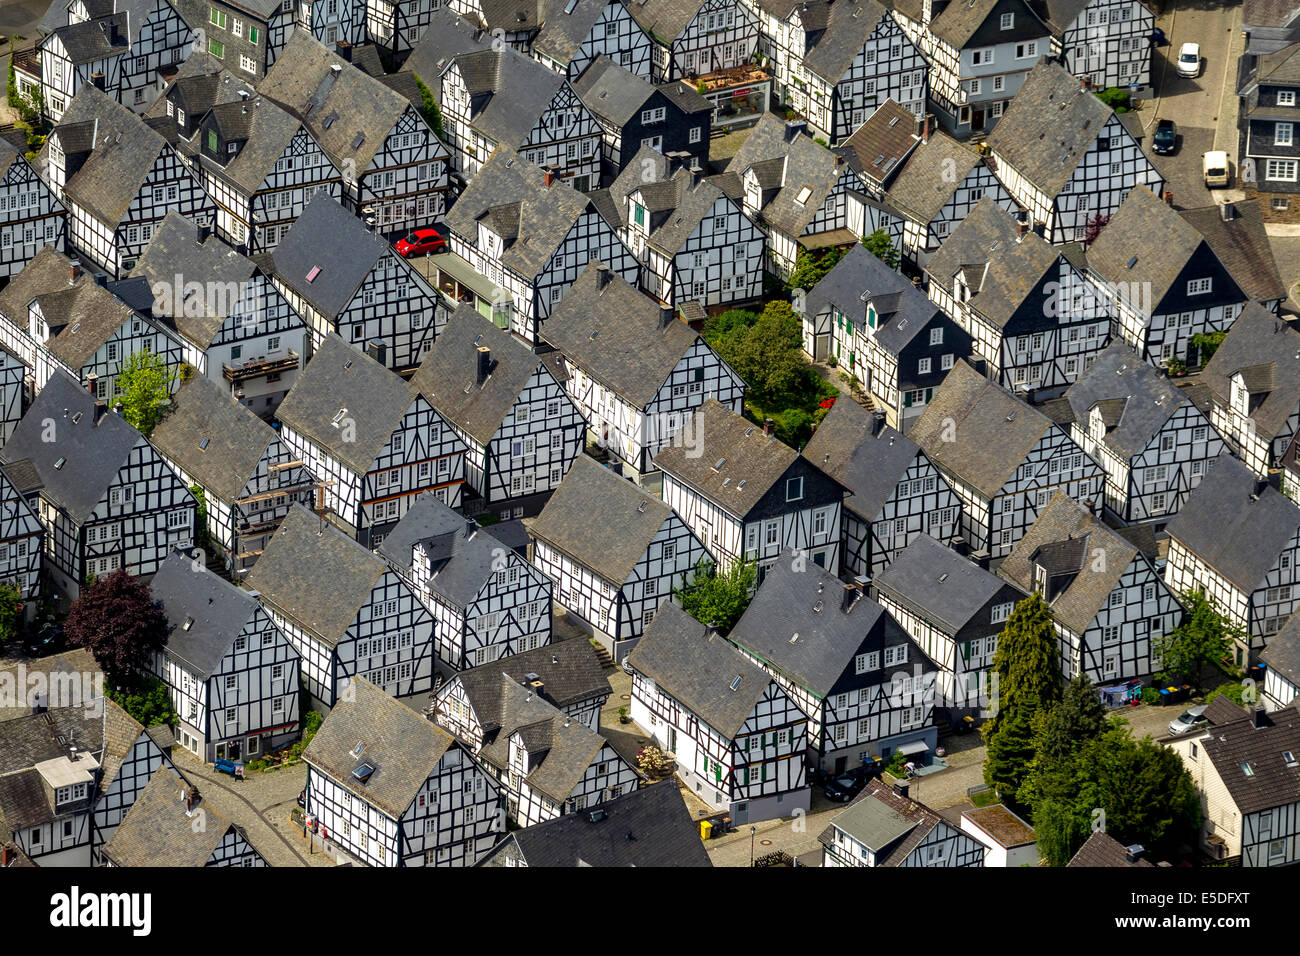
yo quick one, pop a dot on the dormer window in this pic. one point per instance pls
(70, 794)
(1286, 97)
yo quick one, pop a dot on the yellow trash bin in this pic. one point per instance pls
(706, 829)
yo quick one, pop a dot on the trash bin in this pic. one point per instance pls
(706, 829)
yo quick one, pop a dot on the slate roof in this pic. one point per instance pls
(878, 147)
(664, 19)
(796, 164)
(447, 36)
(315, 575)
(91, 40)
(1002, 268)
(1242, 246)
(124, 153)
(600, 520)
(265, 129)
(1101, 849)
(462, 555)
(1259, 338)
(341, 378)
(938, 582)
(89, 456)
(891, 826)
(1045, 134)
(869, 465)
(614, 334)
(545, 214)
(1059, 14)
(677, 201)
(564, 29)
(930, 176)
(448, 376)
(699, 668)
(508, 92)
(1283, 651)
(344, 262)
(902, 309)
(1066, 521)
(23, 802)
(751, 461)
(1145, 229)
(611, 92)
(1147, 398)
(74, 661)
(156, 831)
(201, 410)
(1273, 780)
(216, 609)
(569, 670)
(1238, 537)
(846, 28)
(403, 747)
(647, 827)
(994, 433)
(957, 23)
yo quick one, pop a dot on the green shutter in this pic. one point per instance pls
(252, 34)
(907, 399)
(764, 772)
(212, 140)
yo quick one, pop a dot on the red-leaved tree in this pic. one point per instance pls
(119, 622)
(1092, 229)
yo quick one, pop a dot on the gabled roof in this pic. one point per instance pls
(678, 200)
(315, 575)
(930, 176)
(566, 24)
(841, 36)
(403, 747)
(47, 271)
(1045, 134)
(737, 464)
(77, 660)
(545, 214)
(76, 470)
(902, 309)
(372, 399)
(1065, 521)
(343, 263)
(97, 39)
(214, 439)
(1235, 526)
(1283, 652)
(890, 825)
(1103, 850)
(158, 832)
(446, 37)
(869, 463)
(994, 430)
(1147, 399)
(880, 145)
(508, 92)
(568, 670)
(698, 667)
(958, 22)
(614, 333)
(1259, 765)
(938, 582)
(204, 611)
(1258, 338)
(664, 19)
(600, 520)
(800, 163)
(448, 376)
(611, 92)
(650, 826)
(1242, 246)
(1059, 14)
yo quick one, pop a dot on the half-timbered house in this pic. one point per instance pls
(1036, 317)
(1268, 153)
(390, 788)
(520, 426)
(107, 498)
(1104, 42)
(14, 375)
(395, 25)
(546, 764)
(1238, 540)
(1281, 660)
(486, 600)
(236, 329)
(634, 370)
(371, 440)
(954, 610)
(749, 497)
(835, 63)
(1236, 233)
(694, 38)
(613, 553)
(345, 610)
(1002, 458)
(330, 21)
(240, 33)
(231, 674)
(394, 168)
(31, 215)
(883, 332)
(1153, 441)
(737, 739)
(1082, 171)
(867, 688)
(531, 235)
(249, 477)
(1109, 607)
(696, 244)
(22, 539)
(882, 827)
(895, 492)
(804, 195)
(573, 35)
(119, 179)
(670, 117)
(356, 286)
(1163, 282)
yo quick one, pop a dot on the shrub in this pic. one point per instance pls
(1150, 695)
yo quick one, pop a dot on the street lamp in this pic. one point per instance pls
(752, 831)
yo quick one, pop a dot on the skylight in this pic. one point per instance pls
(363, 772)
(338, 417)
(803, 195)
(735, 682)
(203, 445)
(313, 273)
(1246, 769)
(58, 465)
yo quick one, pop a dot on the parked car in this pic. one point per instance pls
(844, 788)
(1214, 166)
(420, 242)
(1165, 138)
(1189, 60)
(48, 640)
(1190, 719)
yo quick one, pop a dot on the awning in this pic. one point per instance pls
(914, 747)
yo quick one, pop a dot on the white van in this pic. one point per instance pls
(1215, 168)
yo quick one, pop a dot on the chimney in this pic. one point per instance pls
(768, 426)
(1133, 853)
(91, 381)
(335, 71)
(74, 273)
(603, 275)
(548, 178)
(1168, 197)
(901, 789)
(320, 498)
(1258, 718)
(6, 856)
(877, 422)
(484, 363)
(1022, 230)
(97, 81)
(344, 50)
(924, 126)
(202, 234)
(117, 407)
(850, 597)
(793, 128)
(101, 409)
(666, 317)
(191, 799)
(1227, 212)
(101, 279)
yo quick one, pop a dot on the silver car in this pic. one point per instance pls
(1190, 719)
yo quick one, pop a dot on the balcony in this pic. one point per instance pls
(28, 62)
(258, 367)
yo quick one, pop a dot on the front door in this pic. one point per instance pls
(672, 739)
(841, 764)
(977, 119)
(234, 750)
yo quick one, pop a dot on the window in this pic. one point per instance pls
(794, 489)
(1001, 612)
(694, 135)
(1198, 286)
(1026, 50)
(923, 367)
(982, 57)
(936, 336)
(1008, 21)
(217, 49)
(1282, 134)
(1281, 169)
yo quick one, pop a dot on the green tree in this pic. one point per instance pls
(148, 702)
(1028, 681)
(1206, 344)
(1205, 637)
(201, 516)
(716, 597)
(144, 387)
(768, 355)
(429, 107)
(718, 327)
(11, 613)
(11, 90)
(880, 246)
(811, 267)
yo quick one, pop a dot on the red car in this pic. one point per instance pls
(421, 241)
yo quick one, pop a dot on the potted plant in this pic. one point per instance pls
(623, 717)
